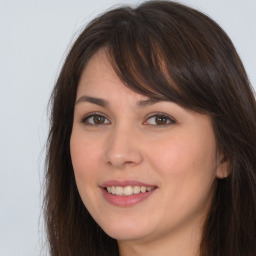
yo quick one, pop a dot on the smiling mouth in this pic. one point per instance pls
(128, 190)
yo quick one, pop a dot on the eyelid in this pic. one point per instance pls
(151, 115)
(160, 114)
(91, 114)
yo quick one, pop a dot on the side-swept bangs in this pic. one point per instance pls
(172, 53)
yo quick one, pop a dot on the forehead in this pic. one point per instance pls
(99, 79)
(102, 71)
(98, 63)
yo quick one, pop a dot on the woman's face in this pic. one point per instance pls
(144, 169)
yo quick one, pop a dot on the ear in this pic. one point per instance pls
(222, 170)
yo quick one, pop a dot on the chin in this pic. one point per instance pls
(126, 231)
(121, 235)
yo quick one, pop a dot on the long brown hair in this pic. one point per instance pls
(160, 48)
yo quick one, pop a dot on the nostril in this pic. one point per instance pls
(120, 164)
(122, 154)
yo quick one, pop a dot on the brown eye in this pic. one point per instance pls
(96, 120)
(159, 120)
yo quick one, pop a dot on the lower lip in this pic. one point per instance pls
(126, 201)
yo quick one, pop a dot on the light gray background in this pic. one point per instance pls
(34, 36)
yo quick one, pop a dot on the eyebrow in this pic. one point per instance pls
(149, 102)
(93, 100)
(104, 103)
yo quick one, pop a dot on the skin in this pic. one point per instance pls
(178, 157)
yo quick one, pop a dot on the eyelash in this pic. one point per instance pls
(168, 119)
(93, 115)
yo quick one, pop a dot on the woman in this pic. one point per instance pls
(152, 146)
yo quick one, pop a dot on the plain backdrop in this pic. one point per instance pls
(34, 36)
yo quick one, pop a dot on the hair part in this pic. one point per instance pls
(160, 49)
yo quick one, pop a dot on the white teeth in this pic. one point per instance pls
(119, 191)
(136, 190)
(143, 189)
(128, 190)
(113, 190)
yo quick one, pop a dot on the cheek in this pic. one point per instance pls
(84, 153)
(85, 161)
(187, 167)
(85, 156)
(182, 157)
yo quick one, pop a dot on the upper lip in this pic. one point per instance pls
(124, 183)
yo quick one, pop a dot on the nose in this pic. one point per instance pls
(122, 148)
